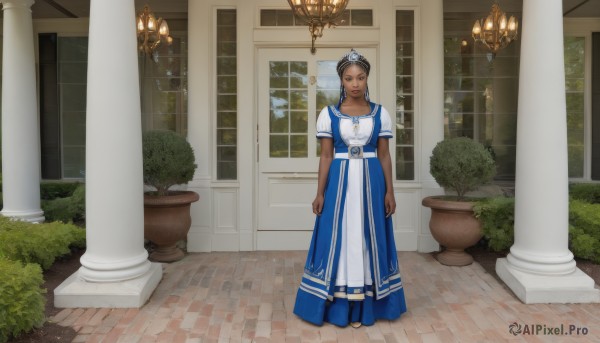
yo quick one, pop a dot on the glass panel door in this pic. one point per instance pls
(293, 87)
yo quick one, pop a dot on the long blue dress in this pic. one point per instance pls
(352, 272)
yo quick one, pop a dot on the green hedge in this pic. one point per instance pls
(584, 231)
(54, 189)
(66, 209)
(38, 243)
(588, 192)
(497, 218)
(21, 298)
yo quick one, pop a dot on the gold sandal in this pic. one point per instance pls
(356, 325)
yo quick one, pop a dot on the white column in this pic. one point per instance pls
(115, 271)
(540, 268)
(430, 49)
(20, 127)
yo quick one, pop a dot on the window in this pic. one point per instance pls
(288, 97)
(72, 89)
(480, 93)
(328, 89)
(226, 94)
(405, 140)
(164, 83)
(354, 17)
(574, 85)
(63, 71)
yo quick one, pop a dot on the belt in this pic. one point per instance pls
(355, 152)
(345, 155)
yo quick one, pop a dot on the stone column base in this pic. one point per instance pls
(34, 216)
(76, 292)
(530, 288)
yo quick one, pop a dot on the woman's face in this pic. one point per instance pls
(354, 81)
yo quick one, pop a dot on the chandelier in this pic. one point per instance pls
(495, 31)
(317, 14)
(151, 31)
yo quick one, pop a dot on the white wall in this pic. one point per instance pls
(225, 217)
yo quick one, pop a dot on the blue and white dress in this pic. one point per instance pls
(351, 272)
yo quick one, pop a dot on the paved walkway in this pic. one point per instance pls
(248, 297)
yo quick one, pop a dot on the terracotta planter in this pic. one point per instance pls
(167, 220)
(454, 226)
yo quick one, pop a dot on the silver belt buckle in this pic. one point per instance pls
(355, 151)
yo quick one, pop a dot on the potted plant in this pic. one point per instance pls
(168, 160)
(460, 165)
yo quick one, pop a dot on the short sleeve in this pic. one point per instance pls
(386, 124)
(324, 124)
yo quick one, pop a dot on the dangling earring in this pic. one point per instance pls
(367, 94)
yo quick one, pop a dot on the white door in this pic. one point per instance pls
(293, 87)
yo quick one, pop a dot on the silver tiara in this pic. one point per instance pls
(352, 57)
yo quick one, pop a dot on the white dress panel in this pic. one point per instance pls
(354, 268)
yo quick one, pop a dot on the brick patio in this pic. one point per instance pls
(248, 297)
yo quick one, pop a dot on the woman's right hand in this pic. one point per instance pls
(317, 205)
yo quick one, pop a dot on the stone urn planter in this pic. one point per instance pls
(168, 160)
(167, 220)
(460, 165)
(454, 226)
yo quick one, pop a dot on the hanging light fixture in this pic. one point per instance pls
(317, 14)
(151, 31)
(495, 31)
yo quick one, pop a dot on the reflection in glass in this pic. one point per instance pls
(279, 122)
(226, 136)
(72, 83)
(279, 99)
(288, 94)
(226, 49)
(227, 120)
(404, 134)
(278, 146)
(299, 146)
(574, 52)
(299, 122)
(328, 90)
(480, 96)
(299, 100)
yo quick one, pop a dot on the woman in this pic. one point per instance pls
(351, 273)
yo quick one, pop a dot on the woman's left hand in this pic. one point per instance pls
(390, 204)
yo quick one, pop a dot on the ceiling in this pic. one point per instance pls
(178, 8)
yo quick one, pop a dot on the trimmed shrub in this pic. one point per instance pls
(584, 233)
(38, 243)
(461, 164)
(21, 299)
(68, 209)
(51, 190)
(497, 216)
(588, 192)
(168, 160)
(58, 210)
